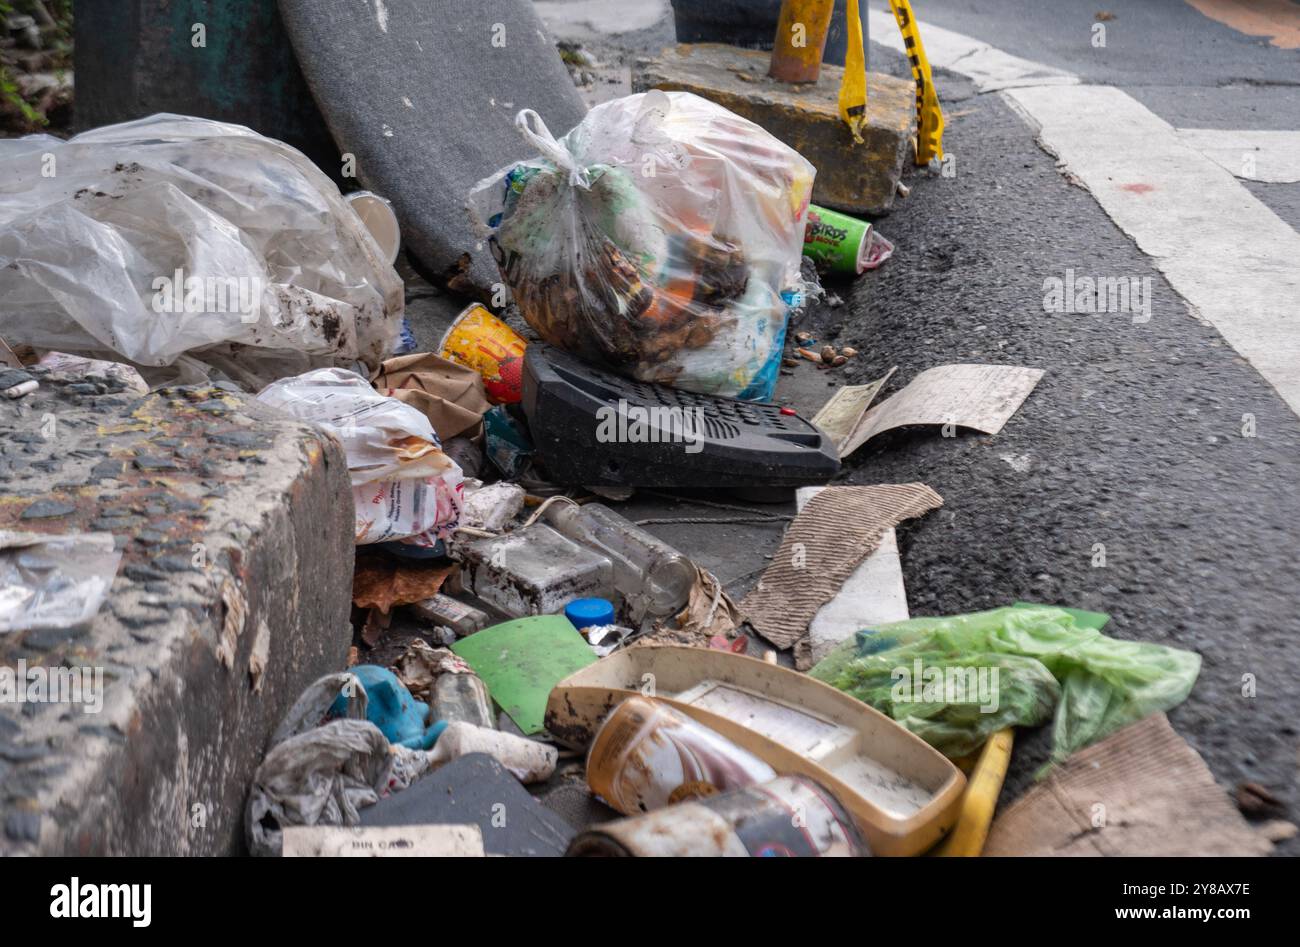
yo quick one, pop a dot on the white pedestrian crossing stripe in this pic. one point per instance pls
(1269, 156)
(1175, 193)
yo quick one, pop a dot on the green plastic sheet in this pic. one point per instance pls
(521, 660)
(954, 681)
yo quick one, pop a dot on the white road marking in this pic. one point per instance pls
(1269, 156)
(873, 595)
(989, 68)
(1221, 248)
(601, 17)
(1235, 262)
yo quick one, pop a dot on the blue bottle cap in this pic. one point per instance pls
(585, 612)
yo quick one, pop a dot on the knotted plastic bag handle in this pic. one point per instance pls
(545, 142)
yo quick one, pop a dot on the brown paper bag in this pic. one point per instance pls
(451, 396)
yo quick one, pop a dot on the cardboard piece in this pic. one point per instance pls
(1141, 791)
(7, 357)
(982, 397)
(873, 595)
(521, 660)
(414, 841)
(828, 539)
(478, 791)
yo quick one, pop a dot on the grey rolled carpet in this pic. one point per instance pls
(424, 93)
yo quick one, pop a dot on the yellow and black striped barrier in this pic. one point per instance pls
(929, 135)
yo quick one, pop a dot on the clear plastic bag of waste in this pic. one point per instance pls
(954, 681)
(54, 581)
(661, 237)
(403, 486)
(185, 244)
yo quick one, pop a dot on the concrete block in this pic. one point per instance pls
(858, 179)
(235, 524)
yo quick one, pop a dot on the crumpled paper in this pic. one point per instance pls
(420, 666)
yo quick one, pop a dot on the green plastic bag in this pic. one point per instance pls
(954, 681)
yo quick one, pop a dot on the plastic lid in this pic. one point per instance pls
(377, 214)
(585, 612)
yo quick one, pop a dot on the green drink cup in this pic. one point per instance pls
(835, 240)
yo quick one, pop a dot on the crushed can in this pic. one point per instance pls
(646, 755)
(788, 817)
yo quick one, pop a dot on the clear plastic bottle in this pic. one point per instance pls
(463, 697)
(653, 577)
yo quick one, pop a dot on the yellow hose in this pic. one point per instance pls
(967, 837)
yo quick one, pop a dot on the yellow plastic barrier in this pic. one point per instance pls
(853, 87)
(929, 136)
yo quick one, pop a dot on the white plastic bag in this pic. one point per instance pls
(403, 486)
(188, 243)
(662, 237)
(54, 581)
(77, 366)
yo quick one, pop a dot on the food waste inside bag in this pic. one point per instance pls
(660, 237)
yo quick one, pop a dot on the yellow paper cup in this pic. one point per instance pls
(483, 342)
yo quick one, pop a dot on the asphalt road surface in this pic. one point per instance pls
(1136, 438)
